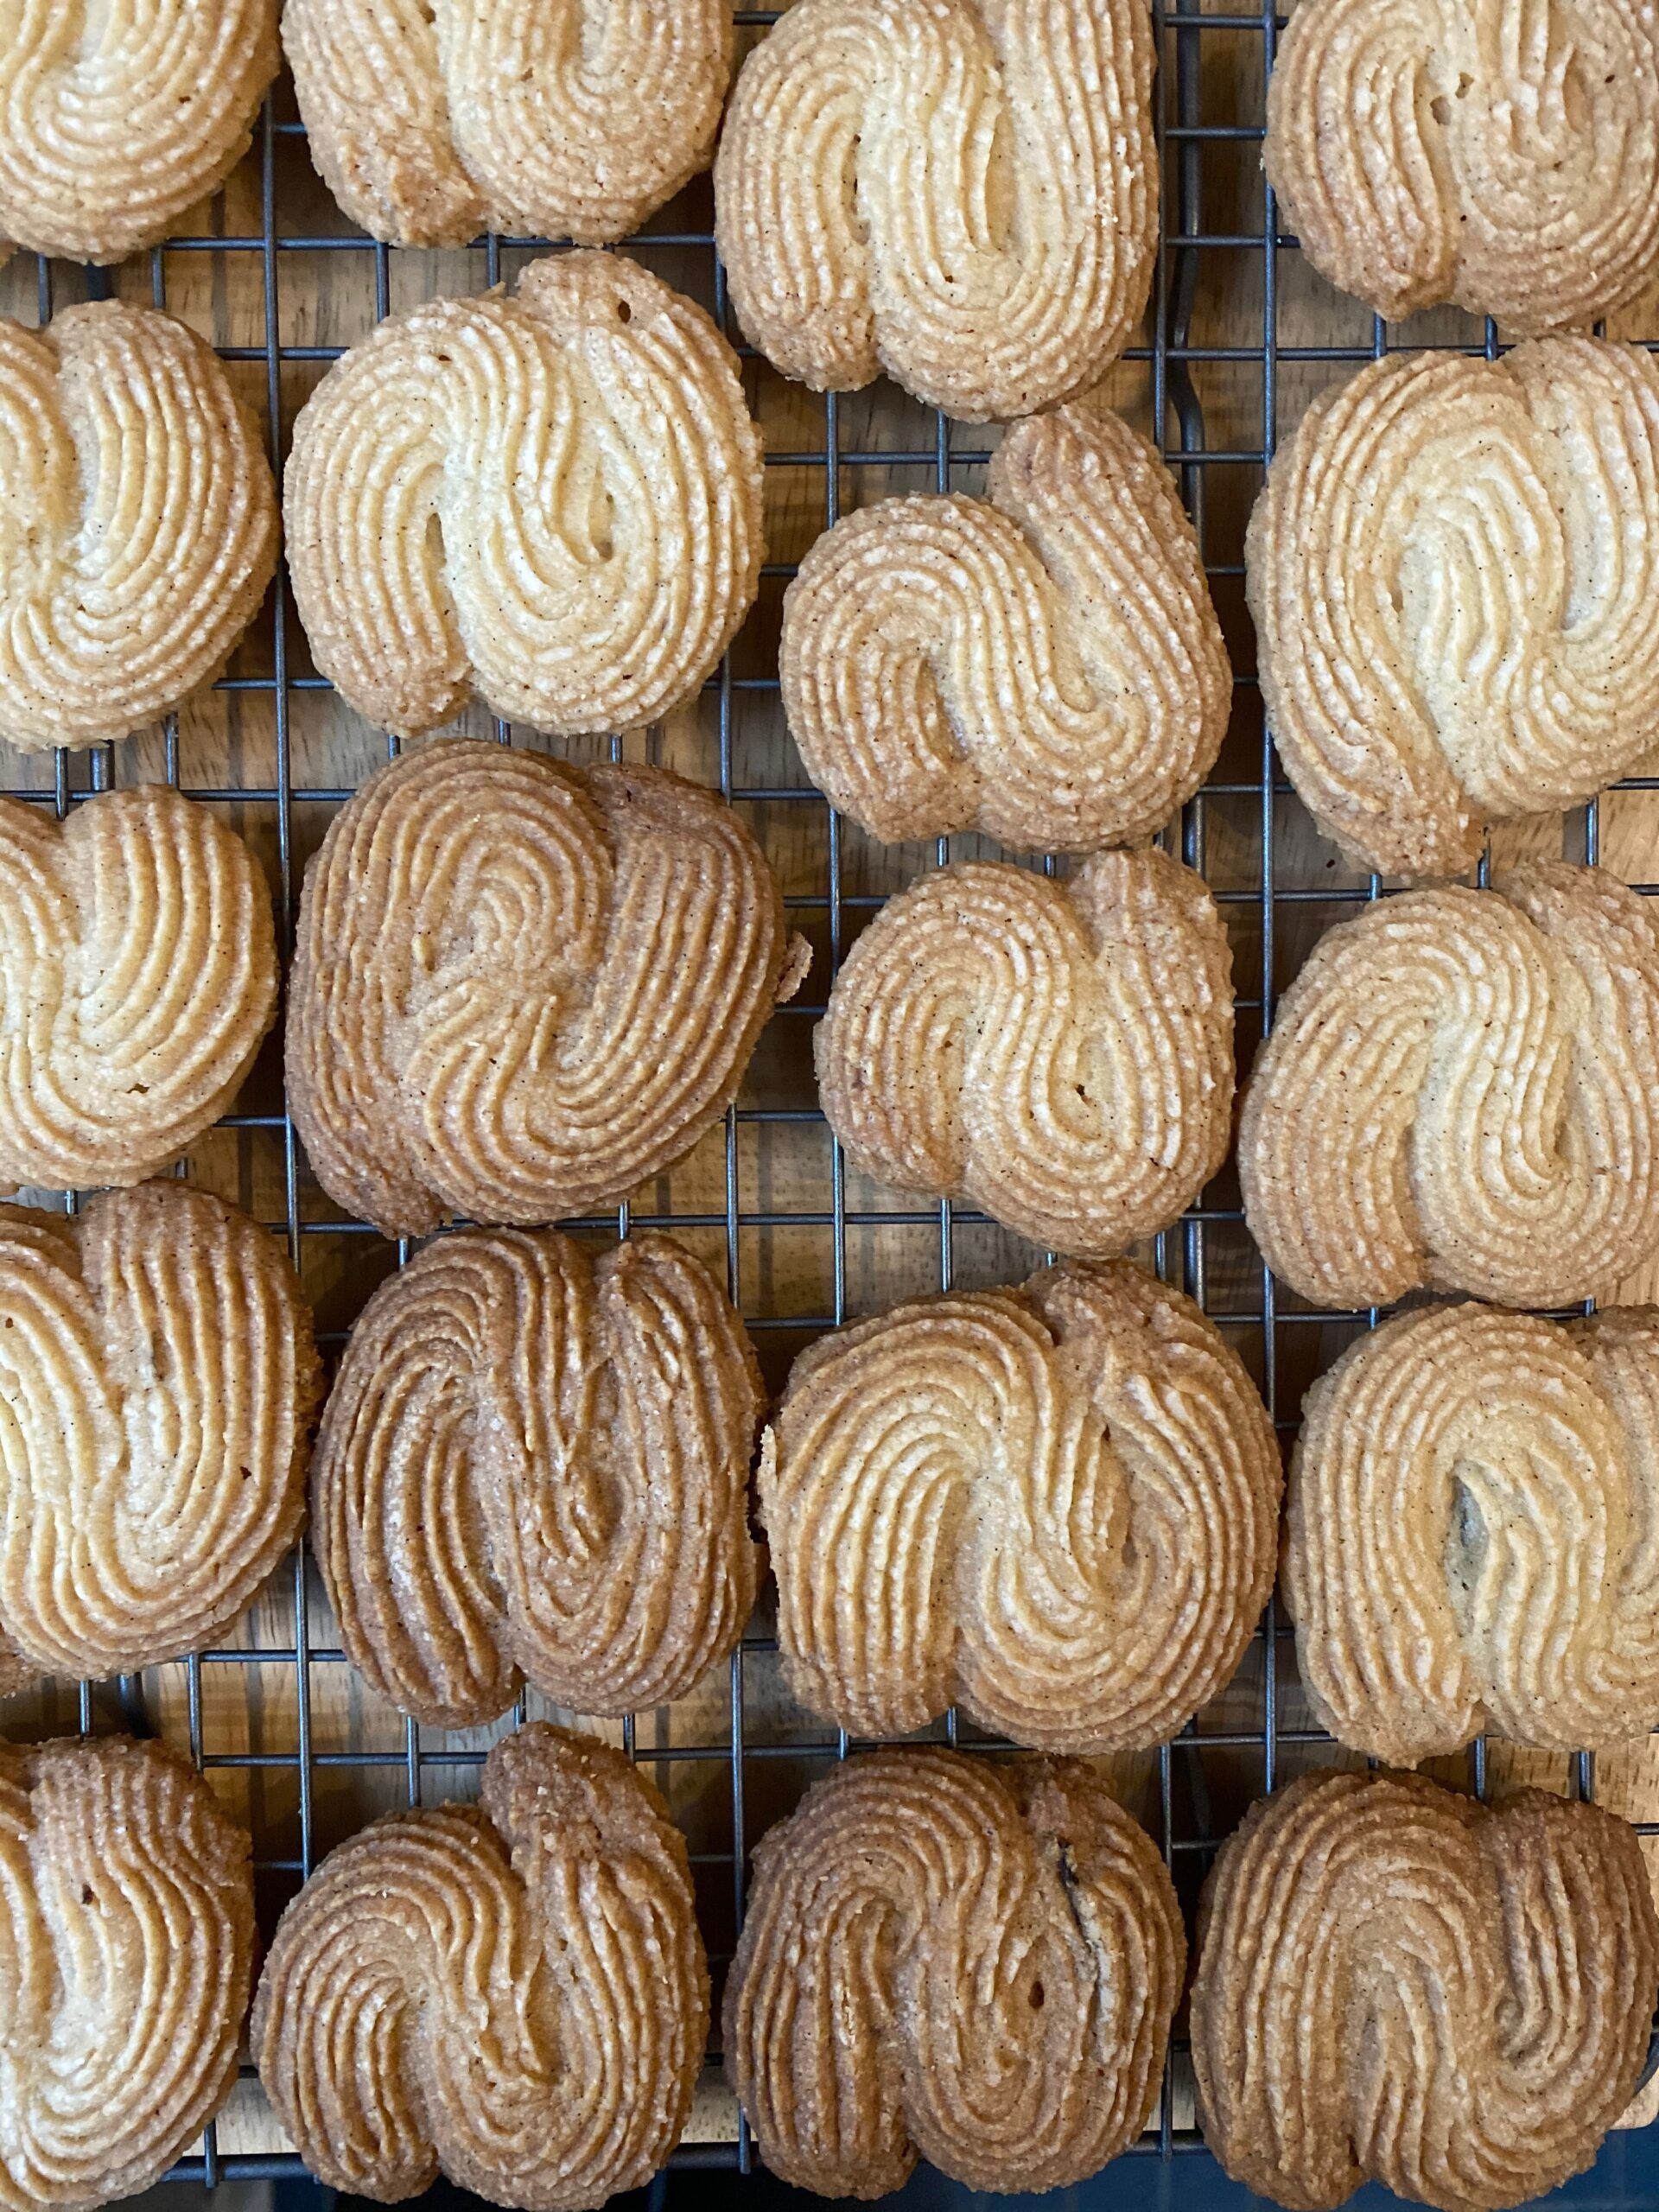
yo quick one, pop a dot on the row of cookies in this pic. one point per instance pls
(978, 1963)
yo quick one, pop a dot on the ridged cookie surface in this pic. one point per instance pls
(126, 1937)
(1473, 1538)
(1058, 1053)
(554, 498)
(434, 1068)
(920, 188)
(941, 1959)
(536, 1465)
(1044, 664)
(118, 119)
(1454, 572)
(1056, 1506)
(158, 1381)
(566, 118)
(1401, 1984)
(1396, 144)
(1461, 1089)
(139, 527)
(513, 1993)
(137, 976)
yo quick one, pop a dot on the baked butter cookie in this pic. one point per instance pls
(138, 530)
(928, 189)
(512, 1993)
(1042, 665)
(438, 1065)
(118, 119)
(1453, 567)
(1399, 1984)
(1396, 145)
(589, 1425)
(1056, 1506)
(553, 498)
(571, 118)
(137, 977)
(1461, 1089)
(942, 1959)
(1472, 1503)
(1059, 1053)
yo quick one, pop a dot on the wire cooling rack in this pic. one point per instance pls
(1237, 335)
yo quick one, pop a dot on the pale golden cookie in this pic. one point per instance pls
(566, 118)
(118, 119)
(137, 976)
(1059, 1053)
(1401, 1984)
(512, 1993)
(924, 189)
(1454, 572)
(1044, 664)
(138, 530)
(1461, 1089)
(976, 1965)
(126, 1938)
(536, 1465)
(553, 498)
(1056, 1506)
(1500, 155)
(1473, 1537)
(435, 1067)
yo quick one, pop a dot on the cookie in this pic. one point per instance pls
(1399, 1984)
(1056, 1506)
(140, 525)
(159, 1381)
(126, 1931)
(1059, 1053)
(587, 1425)
(1453, 567)
(1042, 665)
(1461, 1089)
(1468, 1548)
(137, 976)
(433, 1068)
(1396, 145)
(118, 120)
(554, 499)
(921, 190)
(564, 120)
(512, 1993)
(942, 1959)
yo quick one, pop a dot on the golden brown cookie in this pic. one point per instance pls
(118, 119)
(1056, 1506)
(137, 976)
(1454, 572)
(512, 1993)
(434, 1068)
(1473, 1503)
(535, 1465)
(158, 1386)
(561, 117)
(1461, 1089)
(126, 1938)
(1401, 1984)
(1058, 1053)
(1503, 158)
(554, 498)
(922, 190)
(943, 1959)
(139, 531)
(1044, 664)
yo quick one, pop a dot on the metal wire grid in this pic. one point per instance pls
(1183, 34)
